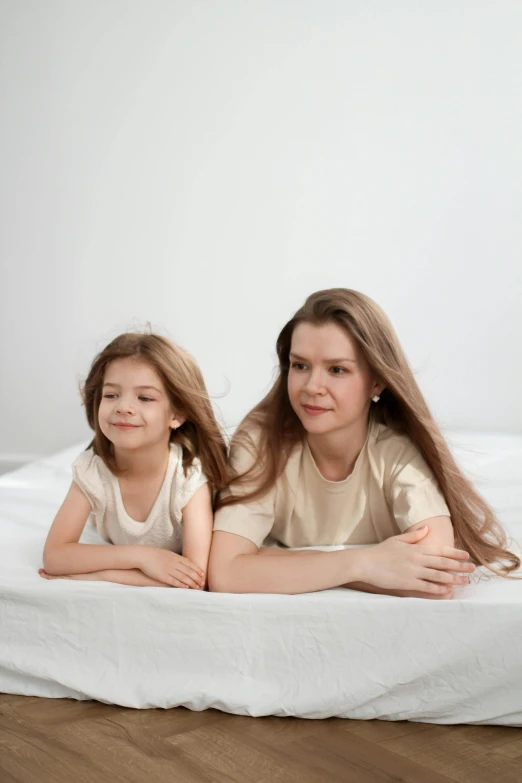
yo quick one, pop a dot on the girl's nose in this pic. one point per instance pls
(124, 407)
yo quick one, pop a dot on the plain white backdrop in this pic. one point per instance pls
(205, 165)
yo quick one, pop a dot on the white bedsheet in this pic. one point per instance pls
(335, 653)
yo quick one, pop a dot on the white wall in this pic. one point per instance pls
(205, 165)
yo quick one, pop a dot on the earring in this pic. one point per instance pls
(376, 398)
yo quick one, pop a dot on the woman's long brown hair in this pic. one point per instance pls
(199, 436)
(272, 429)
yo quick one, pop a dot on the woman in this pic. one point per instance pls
(343, 450)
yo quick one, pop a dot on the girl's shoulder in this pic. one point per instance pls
(91, 474)
(87, 462)
(183, 485)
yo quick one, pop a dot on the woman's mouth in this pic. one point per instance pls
(314, 410)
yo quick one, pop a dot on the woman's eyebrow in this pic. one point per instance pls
(326, 361)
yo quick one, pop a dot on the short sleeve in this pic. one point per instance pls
(253, 520)
(86, 475)
(190, 483)
(183, 487)
(414, 492)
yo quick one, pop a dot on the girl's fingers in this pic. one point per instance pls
(187, 581)
(45, 575)
(191, 573)
(189, 564)
(176, 583)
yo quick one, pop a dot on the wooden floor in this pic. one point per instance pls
(62, 741)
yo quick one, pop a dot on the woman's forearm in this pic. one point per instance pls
(308, 573)
(85, 558)
(363, 587)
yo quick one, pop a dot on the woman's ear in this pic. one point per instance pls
(378, 388)
(176, 421)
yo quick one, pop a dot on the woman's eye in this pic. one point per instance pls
(338, 370)
(298, 366)
(109, 396)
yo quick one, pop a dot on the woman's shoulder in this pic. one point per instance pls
(391, 447)
(246, 449)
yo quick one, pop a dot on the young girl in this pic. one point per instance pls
(148, 477)
(343, 450)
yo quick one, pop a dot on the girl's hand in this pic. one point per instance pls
(43, 573)
(395, 564)
(82, 577)
(125, 576)
(170, 568)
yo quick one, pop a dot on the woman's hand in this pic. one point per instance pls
(170, 568)
(395, 564)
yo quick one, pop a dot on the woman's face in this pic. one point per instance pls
(330, 384)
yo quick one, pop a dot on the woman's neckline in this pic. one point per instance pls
(339, 482)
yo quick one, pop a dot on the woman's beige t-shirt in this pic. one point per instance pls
(390, 488)
(164, 525)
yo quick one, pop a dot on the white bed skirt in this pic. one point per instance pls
(335, 653)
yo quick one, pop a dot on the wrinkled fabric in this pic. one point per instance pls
(334, 653)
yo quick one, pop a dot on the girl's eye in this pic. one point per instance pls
(109, 396)
(297, 365)
(145, 399)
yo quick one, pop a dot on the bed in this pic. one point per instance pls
(334, 653)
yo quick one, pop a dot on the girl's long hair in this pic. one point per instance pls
(199, 436)
(272, 429)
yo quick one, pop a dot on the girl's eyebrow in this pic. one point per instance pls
(326, 361)
(117, 386)
(149, 387)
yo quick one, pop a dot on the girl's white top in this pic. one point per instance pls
(163, 527)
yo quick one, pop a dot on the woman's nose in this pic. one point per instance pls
(315, 382)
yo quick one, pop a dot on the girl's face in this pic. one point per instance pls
(330, 384)
(135, 410)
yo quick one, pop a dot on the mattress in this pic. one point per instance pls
(332, 653)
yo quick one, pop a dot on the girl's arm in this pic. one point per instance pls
(235, 567)
(197, 527)
(63, 555)
(127, 576)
